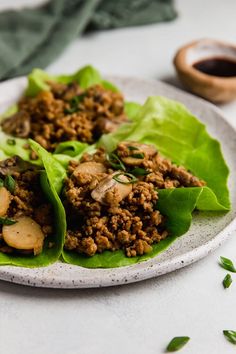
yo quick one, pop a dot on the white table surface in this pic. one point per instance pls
(139, 318)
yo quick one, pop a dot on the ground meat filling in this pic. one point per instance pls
(23, 202)
(65, 113)
(105, 211)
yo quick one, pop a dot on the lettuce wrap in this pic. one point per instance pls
(179, 136)
(50, 253)
(37, 82)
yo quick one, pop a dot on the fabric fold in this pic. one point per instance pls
(34, 37)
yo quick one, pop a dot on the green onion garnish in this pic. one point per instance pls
(230, 335)
(74, 103)
(70, 110)
(1, 182)
(10, 183)
(177, 343)
(7, 221)
(138, 171)
(227, 281)
(115, 162)
(11, 142)
(138, 156)
(77, 99)
(131, 148)
(227, 264)
(132, 180)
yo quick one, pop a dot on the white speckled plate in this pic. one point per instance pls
(207, 231)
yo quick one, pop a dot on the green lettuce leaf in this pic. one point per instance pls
(177, 205)
(109, 86)
(132, 109)
(56, 173)
(9, 149)
(37, 81)
(85, 77)
(10, 146)
(71, 150)
(10, 111)
(114, 259)
(180, 136)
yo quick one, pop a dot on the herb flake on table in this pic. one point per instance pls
(227, 281)
(177, 343)
(227, 264)
(230, 335)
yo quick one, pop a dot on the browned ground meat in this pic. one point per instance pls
(105, 214)
(67, 113)
(26, 198)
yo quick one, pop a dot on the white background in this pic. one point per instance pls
(138, 318)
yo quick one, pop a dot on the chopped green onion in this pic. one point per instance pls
(10, 183)
(7, 221)
(1, 182)
(131, 148)
(11, 142)
(230, 335)
(227, 281)
(138, 156)
(138, 171)
(132, 180)
(74, 103)
(177, 343)
(115, 162)
(77, 99)
(71, 110)
(227, 264)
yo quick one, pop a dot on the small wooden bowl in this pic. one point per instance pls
(214, 88)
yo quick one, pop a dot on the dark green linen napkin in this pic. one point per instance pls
(35, 37)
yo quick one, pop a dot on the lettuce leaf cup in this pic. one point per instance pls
(32, 219)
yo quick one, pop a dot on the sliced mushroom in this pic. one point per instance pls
(90, 168)
(105, 125)
(108, 184)
(5, 200)
(137, 148)
(16, 164)
(18, 124)
(25, 234)
(148, 149)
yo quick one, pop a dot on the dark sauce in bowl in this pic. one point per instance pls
(222, 67)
